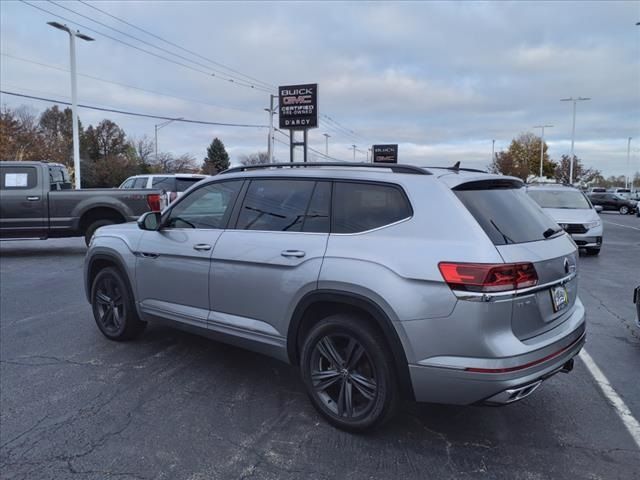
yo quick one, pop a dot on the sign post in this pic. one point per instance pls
(298, 110)
(385, 153)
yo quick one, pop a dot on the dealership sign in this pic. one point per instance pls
(298, 106)
(385, 153)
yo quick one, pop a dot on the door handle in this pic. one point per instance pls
(293, 253)
(33, 199)
(149, 255)
(202, 247)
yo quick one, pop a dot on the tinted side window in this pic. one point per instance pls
(140, 182)
(128, 183)
(317, 217)
(167, 184)
(207, 207)
(17, 178)
(183, 183)
(275, 205)
(358, 207)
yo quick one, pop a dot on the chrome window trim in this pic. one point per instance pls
(488, 296)
(406, 219)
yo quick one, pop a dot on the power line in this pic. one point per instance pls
(178, 46)
(149, 43)
(144, 50)
(135, 114)
(54, 67)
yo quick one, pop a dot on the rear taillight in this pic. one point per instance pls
(154, 201)
(488, 277)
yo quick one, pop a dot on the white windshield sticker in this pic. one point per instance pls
(15, 180)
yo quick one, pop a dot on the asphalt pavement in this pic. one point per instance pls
(174, 405)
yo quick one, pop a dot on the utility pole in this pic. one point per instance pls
(493, 150)
(573, 130)
(368, 153)
(628, 175)
(160, 126)
(354, 152)
(542, 144)
(326, 143)
(270, 141)
(74, 94)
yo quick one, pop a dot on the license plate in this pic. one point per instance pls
(559, 297)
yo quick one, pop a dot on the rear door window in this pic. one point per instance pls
(275, 205)
(506, 214)
(358, 207)
(317, 218)
(128, 183)
(167, 184)
(140, 182)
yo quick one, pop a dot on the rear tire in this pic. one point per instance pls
(593, 251)
(348, 373)
(113, 306)
(624, 210)
(91, 229)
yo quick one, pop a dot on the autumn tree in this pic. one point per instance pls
(56, 130)
(217, 158)
(580, 173)
(168, 163)
(522, 158)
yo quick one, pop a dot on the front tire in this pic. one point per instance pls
(113, 307)
(624, 210)
(348, 373)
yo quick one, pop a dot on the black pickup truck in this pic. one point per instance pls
(37, 201)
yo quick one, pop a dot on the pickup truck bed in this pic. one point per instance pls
(35, 202)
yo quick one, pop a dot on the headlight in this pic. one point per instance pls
(591, 225)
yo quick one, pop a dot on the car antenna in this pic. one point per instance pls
(456, 166)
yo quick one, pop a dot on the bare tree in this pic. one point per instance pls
(167, 163)
(259, 158)
(144, 149)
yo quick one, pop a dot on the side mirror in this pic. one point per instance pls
(597, 208)
(149, 221)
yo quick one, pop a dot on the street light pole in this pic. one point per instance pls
(573, 130)
(542, 144)
(354, 152)
(326, 143)
(628, 175)
(162, 125)
(74, 94)
(271, 111)
(493, 150)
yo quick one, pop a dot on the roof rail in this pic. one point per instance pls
(457, 168)
(395, 168)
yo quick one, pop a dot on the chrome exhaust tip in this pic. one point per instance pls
(513, 394)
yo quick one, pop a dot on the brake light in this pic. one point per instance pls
(488, 277)
(154, 201)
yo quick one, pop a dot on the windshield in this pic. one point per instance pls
(559, 198)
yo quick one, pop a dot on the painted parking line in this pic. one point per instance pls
(620, 225)
(614, 399)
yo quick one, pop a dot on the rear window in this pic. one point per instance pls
(140, 182)
(164, 183)
(570, 199)
(183, 183)
(506, 214)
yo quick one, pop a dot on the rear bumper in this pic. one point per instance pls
(461, 385)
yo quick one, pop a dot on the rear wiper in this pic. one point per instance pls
(507, 240)
(550, 232)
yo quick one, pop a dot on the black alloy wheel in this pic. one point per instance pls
(113, 307)
(343, 376)
(349, 373)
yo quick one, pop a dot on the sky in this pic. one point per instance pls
(441, 79)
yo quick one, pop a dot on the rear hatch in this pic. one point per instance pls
(523, 233)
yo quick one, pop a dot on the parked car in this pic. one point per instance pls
(172, 185)
(38, 202)
(572, 210)
(636, 300)
(613, 201)
(349, 272)
(598, 190)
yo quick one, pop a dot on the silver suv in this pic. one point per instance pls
(379, 282)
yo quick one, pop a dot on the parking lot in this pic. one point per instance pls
(174, 405)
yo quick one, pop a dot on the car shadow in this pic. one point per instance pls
(11, 252)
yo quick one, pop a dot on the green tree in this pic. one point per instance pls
(217, 158)
(522, 158)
